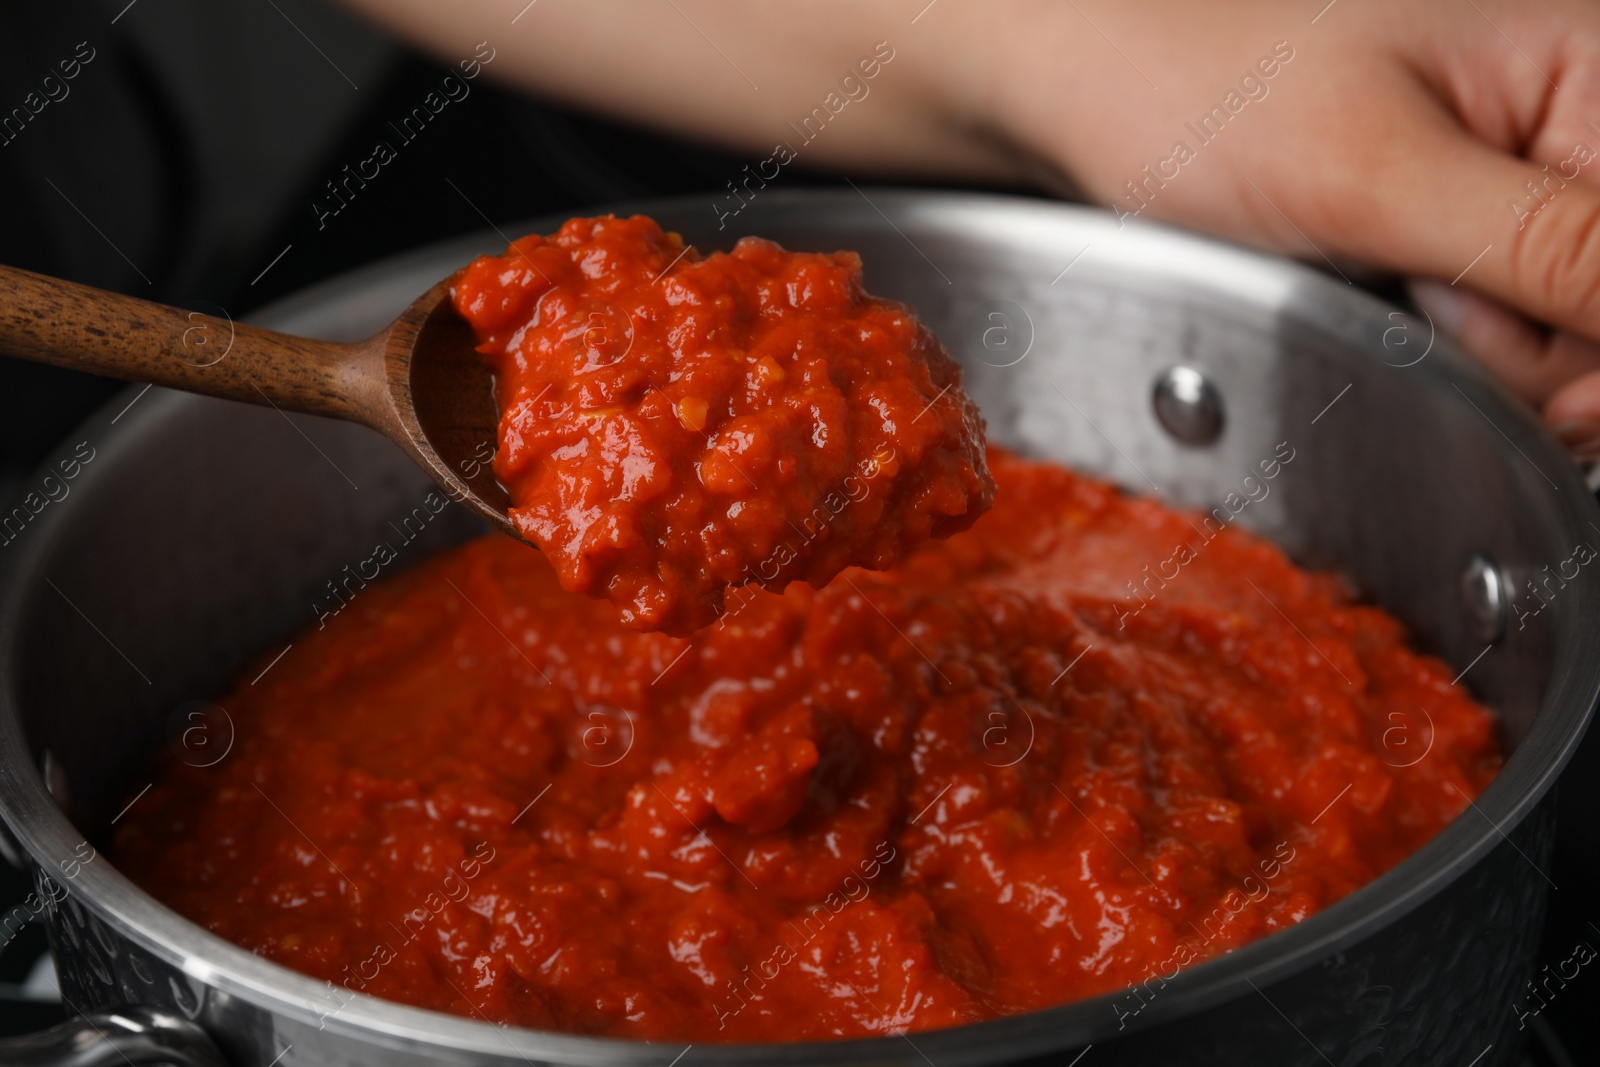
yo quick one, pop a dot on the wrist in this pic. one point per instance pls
(961, 61)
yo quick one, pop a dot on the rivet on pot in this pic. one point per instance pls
(1188, 405)
(1484, 599)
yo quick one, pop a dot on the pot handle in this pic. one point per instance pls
(130, 1037)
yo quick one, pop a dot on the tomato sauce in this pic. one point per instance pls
(672, 425)
(1010, 773)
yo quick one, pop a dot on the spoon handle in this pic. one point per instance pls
(52, 321)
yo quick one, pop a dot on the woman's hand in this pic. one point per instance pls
(1452, 140)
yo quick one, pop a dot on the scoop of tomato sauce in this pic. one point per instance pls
(672, 424)
(1014, 771)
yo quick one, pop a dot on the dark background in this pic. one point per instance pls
(182, 165)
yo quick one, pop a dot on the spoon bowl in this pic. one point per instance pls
(442, 400)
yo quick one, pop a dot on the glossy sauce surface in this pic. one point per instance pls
(672, 424)
(990, 780)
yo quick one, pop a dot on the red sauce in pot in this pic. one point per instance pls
(673, 425)
(1015, 771)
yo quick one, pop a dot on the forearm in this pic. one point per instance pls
(847, 83)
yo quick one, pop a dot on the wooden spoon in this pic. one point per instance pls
(419, 382)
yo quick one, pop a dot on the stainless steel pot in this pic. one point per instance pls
(195, 536)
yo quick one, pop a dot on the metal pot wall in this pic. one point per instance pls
(195, 537)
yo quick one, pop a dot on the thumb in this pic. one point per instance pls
(1526, 234)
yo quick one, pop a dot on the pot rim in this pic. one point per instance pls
(1200, 263)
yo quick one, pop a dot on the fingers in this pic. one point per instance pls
(1535, 363)
(1558, 372)
(1574, 414)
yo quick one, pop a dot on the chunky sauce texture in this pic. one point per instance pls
(673, 425)
(1012, 772)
